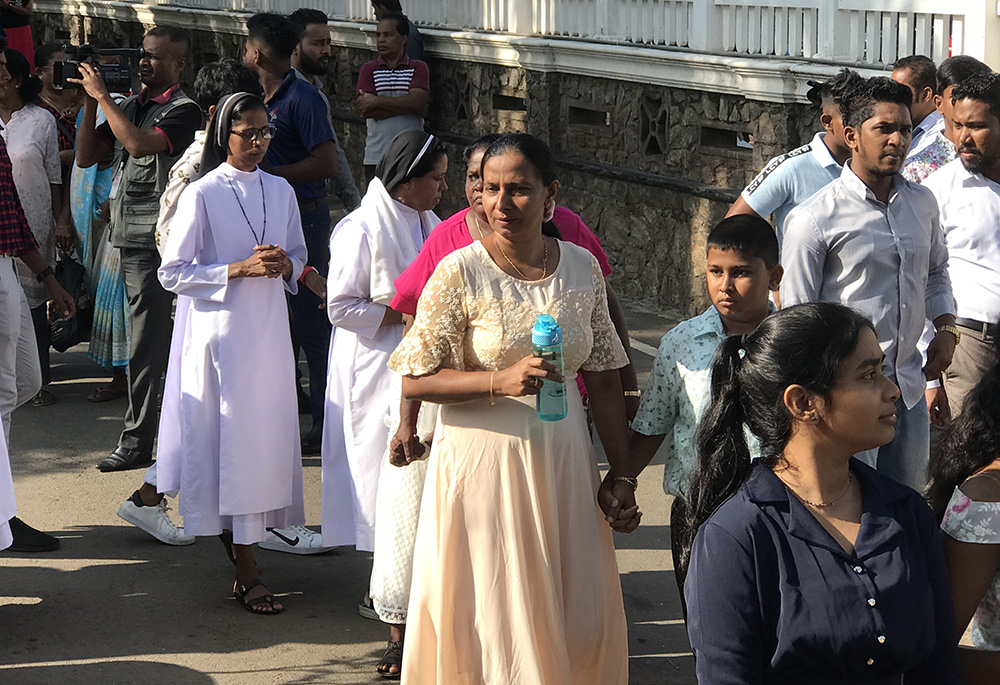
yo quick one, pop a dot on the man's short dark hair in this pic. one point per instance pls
(983, 88)
(389, 5)
(216, 79)
(3, 42)
(174, 35)
(956, 69)
(402, 24)
(923, 71)
(860, 104)
(833, 90)
(304, 17)
(276, 33)
(748, 235)
(43, 55)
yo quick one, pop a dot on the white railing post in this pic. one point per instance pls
(520, 17)
(705, 29)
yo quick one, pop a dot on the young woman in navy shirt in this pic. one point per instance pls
(807, 565)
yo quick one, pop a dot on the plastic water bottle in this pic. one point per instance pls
(547, 343)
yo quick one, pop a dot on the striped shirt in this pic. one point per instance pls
(379, 78)
(888, 262)
(970, 221)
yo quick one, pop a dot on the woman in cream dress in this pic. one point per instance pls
(514, 573)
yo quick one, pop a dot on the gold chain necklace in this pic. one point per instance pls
(825, 505)
(545, 261)
(475, 220)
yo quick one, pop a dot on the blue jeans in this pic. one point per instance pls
(905, 458)
(310, 325)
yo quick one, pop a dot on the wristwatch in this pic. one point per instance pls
(953, 330)
(43, 274)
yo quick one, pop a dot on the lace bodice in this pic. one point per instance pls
(474, 317)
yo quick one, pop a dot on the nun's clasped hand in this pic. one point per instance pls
(269, 261)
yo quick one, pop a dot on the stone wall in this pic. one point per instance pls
(649, 168)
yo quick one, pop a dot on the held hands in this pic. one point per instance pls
(91, 81)
(405, 446)
(269, 261)
(62, 301)
(525, 377)
(617, 501)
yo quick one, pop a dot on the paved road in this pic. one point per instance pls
(115, 606)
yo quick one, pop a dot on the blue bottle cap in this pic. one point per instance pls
(546, 331)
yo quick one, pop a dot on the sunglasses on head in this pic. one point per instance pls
(251, 134)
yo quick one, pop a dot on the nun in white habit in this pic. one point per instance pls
(230, 440)
(369, 249)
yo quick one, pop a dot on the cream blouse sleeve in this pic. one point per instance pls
(607, 352)
(436, 339)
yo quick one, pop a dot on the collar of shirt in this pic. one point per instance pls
(405, 62)
(855, 185)
(933, 121)
(311, 80)
(709, 322)
(878, 524)
(821, 152)
(290, 78)
(162, 99)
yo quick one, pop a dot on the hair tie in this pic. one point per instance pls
(741, 348)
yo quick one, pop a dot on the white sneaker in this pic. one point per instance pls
(155, 521)
(293, 540)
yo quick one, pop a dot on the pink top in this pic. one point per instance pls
(452, 234)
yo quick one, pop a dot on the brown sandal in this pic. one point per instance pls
(257, 604)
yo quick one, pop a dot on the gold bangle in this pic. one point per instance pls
(492, 401)
(634, 482)
(633, 393)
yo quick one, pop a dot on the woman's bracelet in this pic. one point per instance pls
(633, 393)
(492, 401)
(634, 482)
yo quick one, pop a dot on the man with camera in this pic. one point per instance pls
(147, 134)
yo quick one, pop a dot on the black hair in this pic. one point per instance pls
(304, 17)
(402, 24)
(216, 154)
(174, 35)
(276, 32)
(17, 66)
(983, 88)
(971, 442)
(427, 163)
(480, 143)
(391, 5)
(860, 103)
(44, 53)
(218, 79)
(923, 71)
(3, 42)
(537, 153)
(956, 69)
(748, 235)
(835, 90)
(803, 345)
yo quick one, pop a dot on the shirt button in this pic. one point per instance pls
(870, 662)
(858, 569)
(903, 306)
(871, 602)
(881, 639)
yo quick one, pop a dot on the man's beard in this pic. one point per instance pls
(974, 164)
(313, 67)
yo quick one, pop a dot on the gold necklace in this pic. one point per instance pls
(479, 228)
(824, 505)
(545, 260)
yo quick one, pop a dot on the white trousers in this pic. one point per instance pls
(20, 373)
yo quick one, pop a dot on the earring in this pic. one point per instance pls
(550, 210)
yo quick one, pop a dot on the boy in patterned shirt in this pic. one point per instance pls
(742, 270)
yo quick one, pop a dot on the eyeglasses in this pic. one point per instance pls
(251, 134)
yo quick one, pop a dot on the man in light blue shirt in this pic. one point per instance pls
(919, 74)
(872, 240)
(791, 178)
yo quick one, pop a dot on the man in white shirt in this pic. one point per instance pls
(791, 178)
(871, 240)
(968, 195)
(919, 74)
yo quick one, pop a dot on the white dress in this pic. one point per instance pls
(8, 508)
(229, 435)
(33, 145)
(358, 388)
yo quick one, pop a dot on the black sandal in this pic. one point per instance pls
(257, 604)
(227, 541)
(393, 657)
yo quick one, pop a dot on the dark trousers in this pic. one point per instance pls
(40, 321)
(150, 326)
(310, 324)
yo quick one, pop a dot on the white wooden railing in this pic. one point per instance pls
(875, 32)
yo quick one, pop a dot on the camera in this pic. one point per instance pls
(117, 77)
